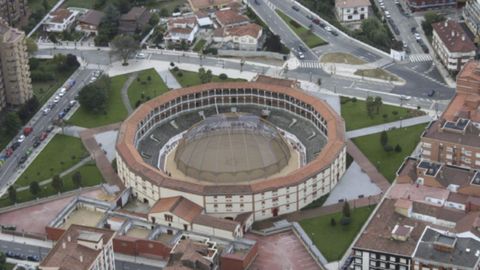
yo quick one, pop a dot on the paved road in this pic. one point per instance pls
(42, 252)
(397, 124)
(40, 122)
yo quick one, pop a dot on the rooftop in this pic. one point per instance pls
(352, 3)
(179, 206)
(59, 15)
(93, 17)
(134, 14)
(453, 36)
(229, 17)
(447, 250)
(68, 254)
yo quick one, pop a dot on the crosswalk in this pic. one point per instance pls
(310, 64)
(421, 57)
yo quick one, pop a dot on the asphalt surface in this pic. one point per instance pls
(39, 123)
(42, 252)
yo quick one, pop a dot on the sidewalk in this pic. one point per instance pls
(124, 92)
(397, 124)
(168, 78)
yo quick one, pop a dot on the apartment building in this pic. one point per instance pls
(15, 82)
(454, 138)
(471, 14)
(13, 11)
(422, 5)
(82, 248)
(452, 45)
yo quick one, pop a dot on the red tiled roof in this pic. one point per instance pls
(453, 36)
(179, 206)
(229, 17)
(59, 15)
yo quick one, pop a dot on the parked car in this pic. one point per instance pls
(333, 32)
(417, 36)
(61, 114)
(402, 97)
(301, 55)
(431, 93)
(9, 254)
(413, 30)
(295, 8)
(56, 99)
(316, 21)
(36, 143)
(46, 110)
(328, 28)
(21, 138)
(27, 131)
(23, 159)
(15, 145)
(140, 56)
(33, 258)
(301, 48)
(43, 136)
(50, 128)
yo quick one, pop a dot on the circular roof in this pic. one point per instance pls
(232, 147)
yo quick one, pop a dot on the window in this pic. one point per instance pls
(228, 196)
(228, 205)
(241, 205)
(215, 205)
(383, 257)
(275, 199)
(358, 253)
(288, 196)
(403, 260)
(263, 202)
(392, 259)
(168, 218)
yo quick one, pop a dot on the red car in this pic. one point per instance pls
(9, 152)
(43, 136)
(27, 131)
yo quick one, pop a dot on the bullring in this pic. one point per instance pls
(301, 138)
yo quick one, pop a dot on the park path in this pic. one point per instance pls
(124, 91)
(62, 174)
(397, 124)
(168, 78)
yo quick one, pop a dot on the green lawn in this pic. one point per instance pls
(91, 176)
(116, 111)
(333, 241)
(44, 90)
(341, 58)
(199, 45)
(60, 154)
(190, 78)
(387, 163)
(80, 3)
(355, 114)
(143, 89)
(377, 73)
(310, 39)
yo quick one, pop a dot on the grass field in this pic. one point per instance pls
(388, 163)
(44, 90)
(60, 154)
(310, 39)
(199, 45)
(143, 89)
(333, 241)
(377, 73)
(80, 3)
(355, 114)
(91, 176)
(341, 58)
(116, 111)
(190, 78)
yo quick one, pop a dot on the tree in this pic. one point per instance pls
(45, 4)
(12, 194)
(77, 179)
(164, 12)
(93, 97)
(123, 5)
(273, 43)
(377, 104)
(124, 46)
(57, 183)
(34, 188)
(12, 123)
(154, 19)
(28, 109)
(383, 138)
(431, 17)
(223, 76)
(3, 261)
(205, 76)
(346, 209)
(31, 46)
(370, 106)
(108, 27)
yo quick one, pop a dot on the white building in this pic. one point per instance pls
(244, 37)
(82, 248)
(182, 28)
(60, 20)
(352, 10)
(452, 45)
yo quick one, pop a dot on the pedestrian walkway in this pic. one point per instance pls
(62, 174)
(397, 124)
(310, 64)
(168, 78)
(72, 131)
(421, 57)
(124, 91)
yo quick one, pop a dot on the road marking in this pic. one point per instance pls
(421, 57)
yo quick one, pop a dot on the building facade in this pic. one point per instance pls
(352, 10)
(244, 37)
(264, 198)
(82, 248)
(422, 5)
(13, 11)
(15, 83)
(452, 45)
(60, 20)
(471, 14)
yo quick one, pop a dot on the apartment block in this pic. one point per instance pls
(13, 11)
(471, 14)
(15, 82)
(454, 138)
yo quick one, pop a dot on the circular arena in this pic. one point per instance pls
(233, 148)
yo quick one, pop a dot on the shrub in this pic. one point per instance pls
(398, 148)
(172, 64)
(354, 99)
(179, 74)
(175, 69)
(395, 113)
(345, 221)
(223, 76)
(385, 116)
(333, 222)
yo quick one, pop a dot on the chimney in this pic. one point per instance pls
(453, 33)
(463, 37)
(64, 245)
(81, 258)
(446, 23)
(69, 238)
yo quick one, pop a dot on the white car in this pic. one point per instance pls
(140, 56)
(328, 28)
(46, 110)
(56, 99)
(61, 94)
(417, 36)
(21, 138)
(387, 14)
(301, 55)
(405, 97)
